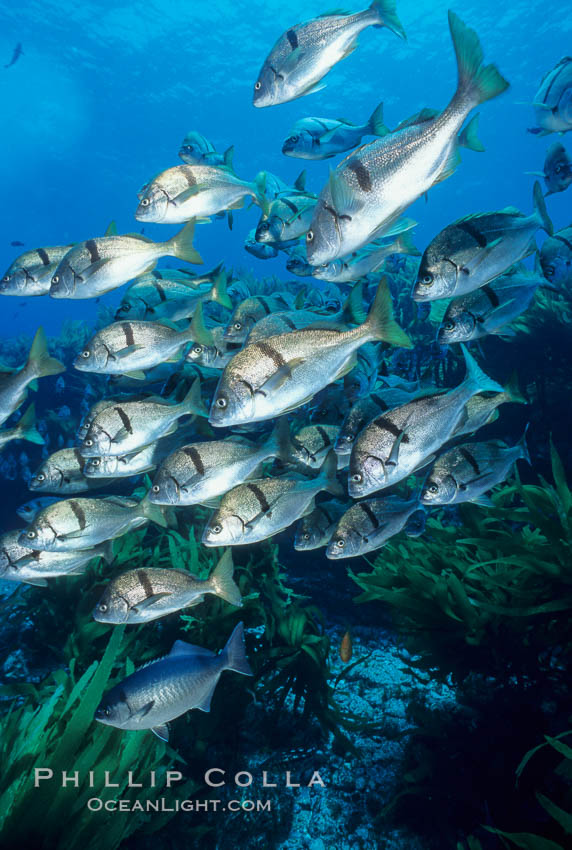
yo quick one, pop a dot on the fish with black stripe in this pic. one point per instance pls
(251, 310)
(315, 530)
(312, 443)
(490, 309)
(263, 507)
(31, 273)
(285, 371)
(553, 100)
(142, 595)
(198, 472)
(369, 524)
(63, 472)
(406, 438)
(82, 523)
(476, 249)
(32, 566)
(97, 266)
(127, 426)
(285, 219)
(465, 473)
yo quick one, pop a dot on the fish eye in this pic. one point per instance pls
(85, 353)
(102, 607)
(349, 438)
(340, 543)
(433, 488)
(197, 349)
(216, 529)
(449, 325)
(293, 139)
(310, 236)
(257, 85)
(88, 443)
(30, 535)
(221, 402)
(357, 478)
(264, 225)
(40, 476)
(6, 278)
(96, 461)
(558, 169)
(107, 711)
(56, 279)
(305, 536)
(237, 326)
(155, 488)
(549, 271)
(427, 279)
(145, 202)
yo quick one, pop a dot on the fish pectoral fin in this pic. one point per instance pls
(161, 731)
(39, 582)
(129, 349)
(137, 375)
(425, 463)
(313, 89)
(344, 199)
(280, 376)
(394, 453)
(349, 364)
(292, 61)
(483, 501)
(482, 255)
(450, 165)
(149, 602)
(144, 711)
(189, 193)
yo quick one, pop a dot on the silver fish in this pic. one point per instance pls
(465, 473)
(404, 439)
(14, 383)
(171, 686)
(36, 567)
(199, 472)
(260, 250)
(490, 309)
(197, 150)
(315, 529)
(63, 472)
(366, 261)
(171, 295)
(263, 507)
(553, 100)
(128, 426)
(312, 443)
(285, 219)
(142, 595)
(97, 266)
(124, 466)
(193, 191)
(306, 52)
(481, 410)
(371, 188)
(31, 273)
(72, 524)
(210, 349)
(478, 248)
(557, 171)
(556, 258)
(369, 524)
(285, 371)
(249, 311)
(29, 510)
(322, 138)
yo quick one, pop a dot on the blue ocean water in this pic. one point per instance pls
(105, 93)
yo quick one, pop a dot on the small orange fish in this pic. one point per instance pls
(346, 648)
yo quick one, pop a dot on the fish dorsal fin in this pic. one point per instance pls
(420, 117)
(333, 12)
(510, 211)
(180, 647)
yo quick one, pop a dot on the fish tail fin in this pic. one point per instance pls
(154, 513)
(228, 158)
(328, 475)
(40, 364)
(219, 293)
(476, 81)
(524, 455)
(468, 137)
(193, 402)
(380, 324)
(27, 427)
(300, 181)
(259, 189)
(279, 443)
(233, 655)
(540, 209)
(353, 309)
(512, 390)
(198, 330)
(107, 552)
(386, 16)
(376, 124)
(404, 245)
(181, 245)
(222, 581)
(476, 379)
